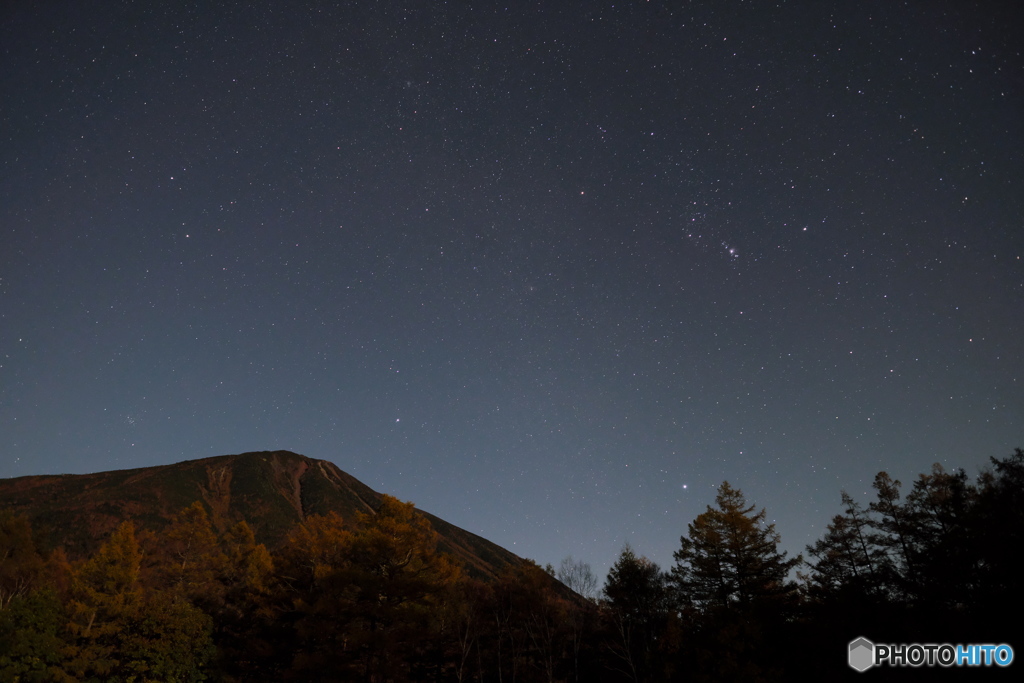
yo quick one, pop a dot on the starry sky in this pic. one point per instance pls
(550, 270)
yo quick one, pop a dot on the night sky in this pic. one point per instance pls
(550, 270)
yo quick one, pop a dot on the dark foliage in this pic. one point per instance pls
(380, 600)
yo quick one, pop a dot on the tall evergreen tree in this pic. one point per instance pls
(637, 605)
(738, 598)
(892, 520)
(730, 556)
(943, 546)
(847, 560)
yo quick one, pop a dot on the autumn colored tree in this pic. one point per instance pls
(730, 556)
(395, 577)
(105, 592)
(244, 622)
(248, 568)
(315, 550)
(120, 633)
(20, 560)
(187, 557)
(361, 601)
(310, 639)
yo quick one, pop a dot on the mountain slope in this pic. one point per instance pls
(273, 491)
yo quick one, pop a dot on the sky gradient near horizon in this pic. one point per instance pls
(552, 271)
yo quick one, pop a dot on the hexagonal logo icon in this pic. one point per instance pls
(862, 654)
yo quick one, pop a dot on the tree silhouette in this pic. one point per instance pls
(847, 560)
(637, 601)
(580, 614)
(734, 585)
(730, 556)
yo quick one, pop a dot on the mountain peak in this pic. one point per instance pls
(273, 491)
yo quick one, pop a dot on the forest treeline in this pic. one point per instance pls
(377, 601)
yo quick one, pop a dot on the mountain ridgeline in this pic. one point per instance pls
(276, 567)
(272, 491)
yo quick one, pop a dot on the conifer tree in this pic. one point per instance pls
(847, 560)
(106, 587)
(245, 623)
(637, 602)
(361, 601)
(394, 576)
(188, 557)
(944, 549)
(730, 556)
(119, 633)
(248, 567)
(894, 525)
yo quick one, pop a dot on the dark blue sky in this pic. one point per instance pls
(552, 271)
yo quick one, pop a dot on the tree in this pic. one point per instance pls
(31, 614)
(188, 558)
(106, 588)
(248, 568)
(395, 576)
(31, 647)
(847, 559)
(245, 621)
(20, 561)
(362, 601)
(578, 577)
(637, 601)
(997, 526)
(895, 528)
(526, 613)
(734, 583)
(944, 547)
(310, 596)
(121, 633)
(462, 620)
(730, 557)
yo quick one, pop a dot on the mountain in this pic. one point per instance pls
(273, 491)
